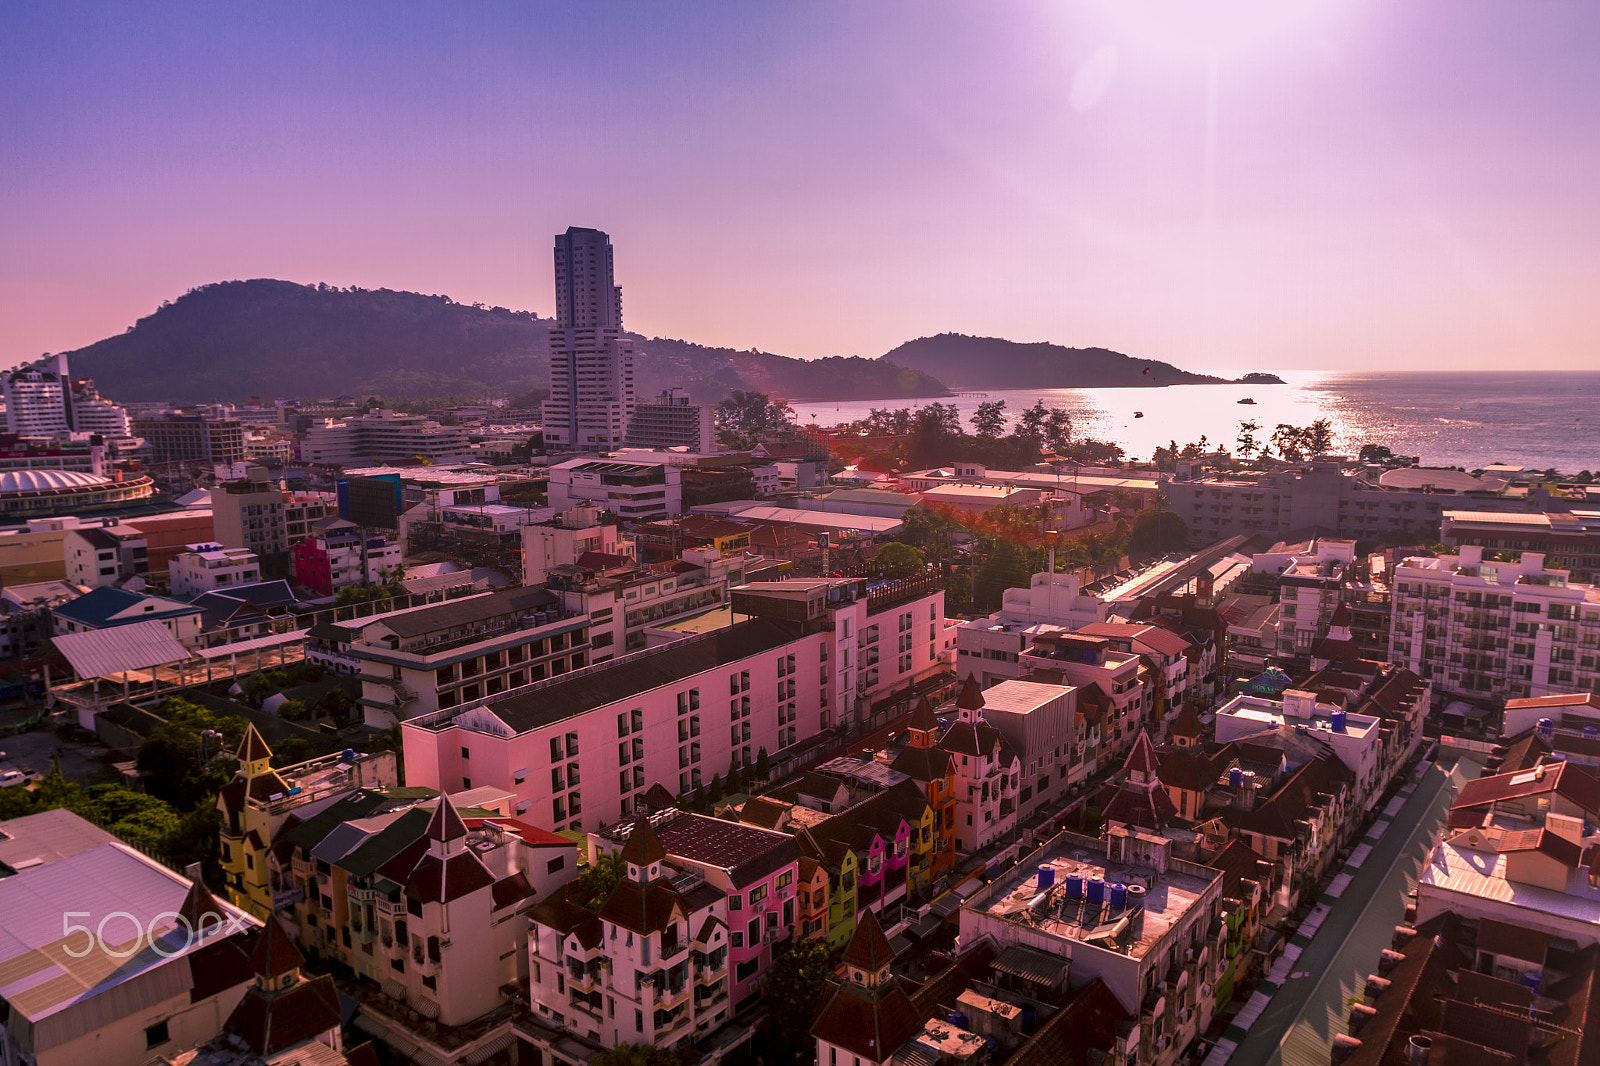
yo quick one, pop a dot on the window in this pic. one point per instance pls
(465, 754)
(556, 865)
(156, 1035)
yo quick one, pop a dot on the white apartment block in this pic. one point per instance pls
(206, 567)
(591, 363)
(563, 539)
(463, 651)
(989, 648)
(671, 421)
(583, 748)
(105, 555)
(1357, 739)
(1310, 590)
(1124, 909)
(1494, 630)
(633, 491)
(383, 436)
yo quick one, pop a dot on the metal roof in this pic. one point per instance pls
(271, 640)
(40, 978)
(137, 646)
(37, 839)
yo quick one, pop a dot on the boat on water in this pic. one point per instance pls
(1138, 414)
(1246, 400)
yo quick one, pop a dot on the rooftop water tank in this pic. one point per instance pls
(1547, 729)
(1047, 876)
(1119, 896)
(1097, 890)
(1235, 777)
(1338, 722)
(1073, 886)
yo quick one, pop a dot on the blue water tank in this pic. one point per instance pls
(1030, 1018)
(1119, 896)
(957, 1019)
(1338, 722)
(1547, 729)
(1074, 887)
(1047, 876)
(1097, 890)
(1534, 982)
(1590, 731)
(1235, 777)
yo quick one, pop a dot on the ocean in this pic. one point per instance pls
(1539, 419)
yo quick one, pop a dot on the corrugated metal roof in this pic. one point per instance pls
(103, 652)
(238, 647)
(38, 976)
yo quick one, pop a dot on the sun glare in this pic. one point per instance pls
(1206, 28)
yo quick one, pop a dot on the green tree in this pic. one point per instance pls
(745, 417)
(899, 560)
(714, 790)
(1318, 437)
(1290, 442)
(594, 884)
(637, 1055)
(293, 711)
(1247, 443)
(763, 767)
(989, 419)
(1156, 531)
(793, 989)
(1031, 423)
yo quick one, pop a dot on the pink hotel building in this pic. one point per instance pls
(581, 749)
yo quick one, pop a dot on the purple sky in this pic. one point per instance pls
(1395, 184)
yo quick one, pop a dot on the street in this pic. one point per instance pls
(1312, 1003)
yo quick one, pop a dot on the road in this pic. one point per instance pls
(1312, 1006)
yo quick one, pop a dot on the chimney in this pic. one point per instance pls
(1375, 987)
(1342, 1048)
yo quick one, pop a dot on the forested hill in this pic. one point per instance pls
(268, 338)
(236, 339)
(994, 363)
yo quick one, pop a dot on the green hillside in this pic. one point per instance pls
(994, 363)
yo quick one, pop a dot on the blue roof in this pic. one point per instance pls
(222, 604)
(107, 606)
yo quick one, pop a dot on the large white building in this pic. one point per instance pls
(633, 491)
(1494, 630)
(591, 364)
(671, 421)
(41, 399)
(383, 436)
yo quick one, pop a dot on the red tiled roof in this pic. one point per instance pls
(1567, 779)
(445, 880)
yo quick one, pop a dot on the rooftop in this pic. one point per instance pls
(579, 691)
(1054, 913)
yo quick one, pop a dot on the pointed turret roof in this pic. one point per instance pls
(971, 698)
(275, 953)
(201, 910)
(253, 748)
(446, 824)
(869, 949)
(1187, 724)
(923, 719)
(1142, 757)
(643, 847)
(1341, 617)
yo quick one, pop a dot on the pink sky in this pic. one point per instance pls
(1395, 185)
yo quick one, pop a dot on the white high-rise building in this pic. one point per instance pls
(42, 399)
(591, 364)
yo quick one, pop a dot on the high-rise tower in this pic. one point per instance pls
(591, 365)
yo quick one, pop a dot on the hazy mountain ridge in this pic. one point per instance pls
(276, 339)
(996, 363)
(235, 339)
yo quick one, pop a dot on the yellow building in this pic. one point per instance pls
(256, 802)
